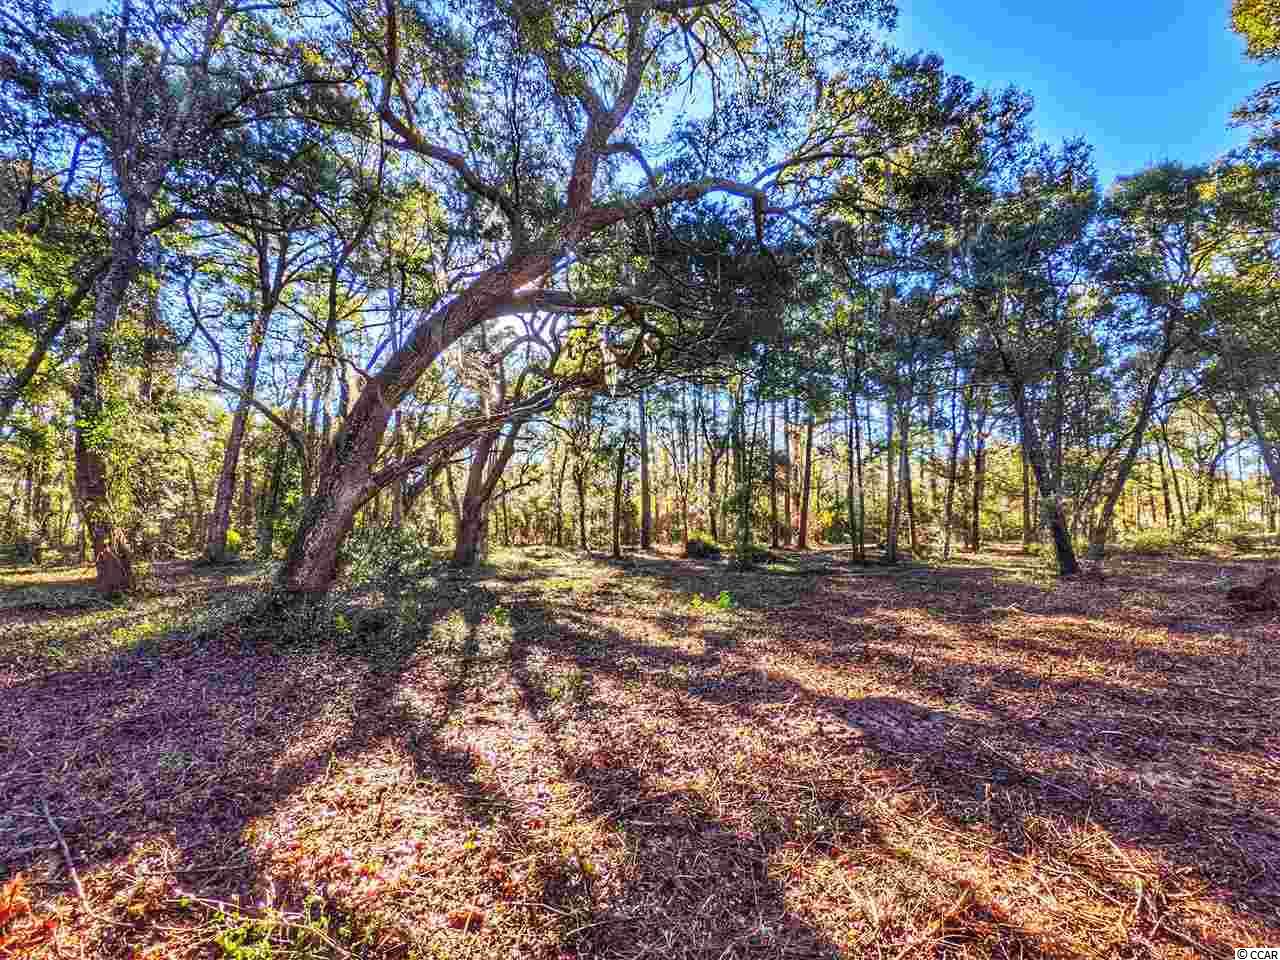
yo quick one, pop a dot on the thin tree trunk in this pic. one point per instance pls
(270, 502)
(1047, 484)
(646, 517)
(564, 463)
(862, 484)
(805, 483)
(908, 496)
(889, 488)
(617, 490)
(580, 482)
(215, 549)
(1026, 496)
(1101, 529)
(979, 481)
(773, 476)
(788, 486)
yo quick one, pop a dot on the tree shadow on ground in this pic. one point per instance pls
(1156, 766)
(166, 757)
(190, 748)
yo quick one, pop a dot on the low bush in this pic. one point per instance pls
(1153, 543)
(701, 545)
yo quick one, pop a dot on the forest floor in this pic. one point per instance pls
(560, 756)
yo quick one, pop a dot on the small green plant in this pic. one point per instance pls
(234, 543)
(724, 601)
(500, 615)
(701, 546)
(572, 687)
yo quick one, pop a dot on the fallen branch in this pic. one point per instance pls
(66, 855)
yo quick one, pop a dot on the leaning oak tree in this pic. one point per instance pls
(549, 116)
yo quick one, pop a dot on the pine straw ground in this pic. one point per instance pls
(561, 757)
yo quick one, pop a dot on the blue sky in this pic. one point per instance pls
(1141, 80)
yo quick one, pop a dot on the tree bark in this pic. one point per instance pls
(472, 528)
(646, 516)
(890, 489)
(1270, 456)
(788, 486)
(1026, 495)
(580, 483)
(904, 474)
(215, 549)
(112, 557)
(617, 490)
(1101, 528)
(805, 484)
(344, 473)
(1047, 484)
(979, 481)
(773, 476)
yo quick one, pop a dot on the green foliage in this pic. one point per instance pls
(701, 546)
(724, 601)
(1258, 21)
(234, 543)
(1153, 543)
(386, 557)
(1199, 530)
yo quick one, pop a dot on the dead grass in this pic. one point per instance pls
(559, 756)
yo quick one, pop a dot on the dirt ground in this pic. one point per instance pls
(559, 756)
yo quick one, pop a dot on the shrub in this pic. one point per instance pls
(700, 545)
(1153, 543)
(387, 557)
(234, 543)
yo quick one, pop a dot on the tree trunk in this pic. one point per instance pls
(111, 554)
(215, 548)
(343, 485)
(742, 537)
(1270, 456)
(908, 496)
(471, 532)
(1026, 496)
(1047, 484)
(617, 489)
(979, 481)
(269, 506)
(646, 516)
(1101, 529)
(344, 476)
(580, 483)
(889, 489)
(564, 463)
(773, 476)
(958, 432)
(1173, 479)
(713, 503)
(789, 469)
(862, 485)
(805, 484)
